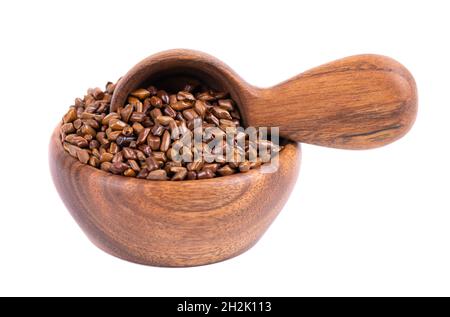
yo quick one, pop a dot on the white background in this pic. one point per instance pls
(362, 223)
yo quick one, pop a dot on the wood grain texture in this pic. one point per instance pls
(358, 102)
(172, 223)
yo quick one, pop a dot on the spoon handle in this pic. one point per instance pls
(358, 102)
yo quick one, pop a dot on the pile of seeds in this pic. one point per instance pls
(138, 140)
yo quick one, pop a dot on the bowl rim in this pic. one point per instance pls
(289, 147)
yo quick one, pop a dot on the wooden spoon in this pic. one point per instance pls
(358, 102)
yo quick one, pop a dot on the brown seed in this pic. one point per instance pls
(200, 108)
(70, 116)
(118, 157)
(152, 90)
(140, 155)
(110, 87)
(77, 124)
(244, 167)
(126, 112)
(133, 100)
(117, 124)
(191, 175)
(212, 119)
(79, 102)
(85, 129)
(195, 166)
(94, 144)
(224, 123)
(98, 93)
(181, 105)
(118, 167)
(77, 140)
(226, 104)
(101, 137)
(86, 115)
(93, 161)
(204, 174)
(225, 170)
(155, 113)
(146, 105)
(113, 135)
(106, 157)
(190, 87)
(184, 95)
(157, 130)
(205, 96)
(124, 140)
(164, 120)
(106, 166)
(211, 166)
(129, 154)
(113, 148)
(146, 149)
(127, 131)
(152, 164)
(158, 175)
(165, 141)
(221, 113)
(154, 142)
(172, 99)
(159, 156)
(137, 128)
(137, 117)
(88, 137)
(190, 114)
(220, 94)
(109, 117)
(170, 112)
(134, 165)
(147, 123)
(92, 123)
(68, 128)
(143, 173)
(129, 172)
(162, 94)
(235, 115)
(156, 102)
(83, 156)
(95, 153)
(141, 93)
(180, 175)
(143, 136)
(256, 163)
(72, 149)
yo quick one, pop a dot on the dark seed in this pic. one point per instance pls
(205, 174)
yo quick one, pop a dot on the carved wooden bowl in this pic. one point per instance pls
(358, 102)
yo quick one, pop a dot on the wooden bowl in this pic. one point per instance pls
(168, 223)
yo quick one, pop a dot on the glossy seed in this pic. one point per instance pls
(221, 113)
(126, 112)
(154, 142)
(225, 170)
(70, 116)
(165, 141)
(204, 174)
(141, 93)
(83, 156)
(152, 164)
(156, 102)
(158, 175)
